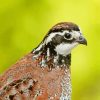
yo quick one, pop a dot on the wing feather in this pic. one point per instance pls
(18, 90)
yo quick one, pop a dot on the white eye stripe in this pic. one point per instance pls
(75, 34)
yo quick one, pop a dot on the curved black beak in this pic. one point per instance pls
(82, 40)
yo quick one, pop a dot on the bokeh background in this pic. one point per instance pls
(23, 24)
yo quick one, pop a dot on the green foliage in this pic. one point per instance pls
(23, 24)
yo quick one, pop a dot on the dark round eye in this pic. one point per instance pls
(68, 35)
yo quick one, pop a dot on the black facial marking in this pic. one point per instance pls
(57, 39)
(51, 47)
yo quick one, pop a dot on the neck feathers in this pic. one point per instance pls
(49, 57)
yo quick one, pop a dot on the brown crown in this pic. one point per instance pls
(64, 26)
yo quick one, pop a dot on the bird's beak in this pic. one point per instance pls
(82, 40)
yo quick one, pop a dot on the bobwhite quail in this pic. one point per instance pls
(44, 73)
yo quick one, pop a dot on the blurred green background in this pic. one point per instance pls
(23, 24)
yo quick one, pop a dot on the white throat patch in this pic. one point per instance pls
(65, 49)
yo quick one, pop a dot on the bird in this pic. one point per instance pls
(44, 73)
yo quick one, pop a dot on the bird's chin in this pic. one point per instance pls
(64, 49)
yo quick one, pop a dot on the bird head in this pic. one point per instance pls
(58, 43)
(63, 37)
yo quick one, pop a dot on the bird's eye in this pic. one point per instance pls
(68, 36)
(61, 30)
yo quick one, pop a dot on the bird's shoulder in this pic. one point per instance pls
(21, 69)
(18, 80)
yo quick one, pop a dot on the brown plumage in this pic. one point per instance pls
(43, 81)
(42, 74)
